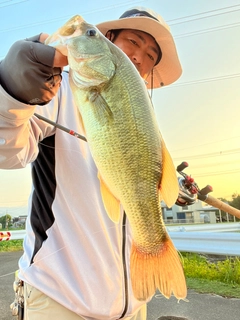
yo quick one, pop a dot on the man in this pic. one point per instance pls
(76, 260)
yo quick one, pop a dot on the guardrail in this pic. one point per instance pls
(206, 227)
(206, 242)
(219, 239)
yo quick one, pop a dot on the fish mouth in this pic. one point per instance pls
(82, 80)
(84, 56)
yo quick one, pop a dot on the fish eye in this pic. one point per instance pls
(91, 32)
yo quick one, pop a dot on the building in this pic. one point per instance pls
(195, 213)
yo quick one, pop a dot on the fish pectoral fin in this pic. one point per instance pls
(111, 203)
(169, 188)
(101, 110)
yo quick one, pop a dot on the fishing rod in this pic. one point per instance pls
(190, 188)
(192, 191)
(59, 126)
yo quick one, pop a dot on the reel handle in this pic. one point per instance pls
(182, 166)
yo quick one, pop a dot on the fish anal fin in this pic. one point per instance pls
(169, 188)
(81, 123)
(111, 204)
(162, 271)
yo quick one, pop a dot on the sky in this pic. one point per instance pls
(198, 115)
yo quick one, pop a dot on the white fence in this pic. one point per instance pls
(219, 238)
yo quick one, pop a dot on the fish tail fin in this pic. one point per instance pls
(162, 270)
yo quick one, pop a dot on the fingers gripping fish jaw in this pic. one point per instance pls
(89, 61)
(73, 28)
(60, 38)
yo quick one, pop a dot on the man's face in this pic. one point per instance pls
(140, 47)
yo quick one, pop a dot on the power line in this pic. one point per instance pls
(205, 12)
(120, 5)
(24, 202)
(208, 155)
(214, 164)
(200, 14)
(225, 77)
(113, 6)
(208, 30)
(204, 144)
(11, 3)
(70, 15)
(216, 173)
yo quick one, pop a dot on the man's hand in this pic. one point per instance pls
(59, 59)
(31, 71)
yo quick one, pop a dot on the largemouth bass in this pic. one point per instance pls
(135, 168)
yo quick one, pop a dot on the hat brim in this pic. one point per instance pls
(169, 68)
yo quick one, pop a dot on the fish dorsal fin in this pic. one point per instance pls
(102, 109)
(169, 188)
(111, 204)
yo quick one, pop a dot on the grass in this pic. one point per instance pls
(219, 277)
(214, 287)
(227, 271)
(12, 245)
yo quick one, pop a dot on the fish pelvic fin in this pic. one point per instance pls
(111, 203)
(162, 271)
(169, 188)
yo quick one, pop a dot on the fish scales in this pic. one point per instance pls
(128, 151)
(135, 168)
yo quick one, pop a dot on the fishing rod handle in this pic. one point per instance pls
(222, 206)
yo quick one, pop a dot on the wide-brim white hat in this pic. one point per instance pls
(169, 68)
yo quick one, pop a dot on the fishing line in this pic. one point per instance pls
(52, 253)
(77, 135)
(62, 149)
(7, 274)
(151, 95)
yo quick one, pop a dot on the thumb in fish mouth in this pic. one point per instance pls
(60, 60)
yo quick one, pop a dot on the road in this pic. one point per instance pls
(199, 307)
(8, 266)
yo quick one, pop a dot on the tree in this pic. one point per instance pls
(6, 221)
(235, 201)
(223, 213)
